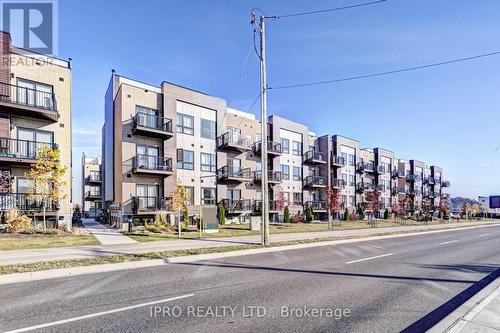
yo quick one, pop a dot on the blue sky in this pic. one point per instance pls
(447, 115)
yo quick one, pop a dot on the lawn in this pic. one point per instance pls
(40, 241)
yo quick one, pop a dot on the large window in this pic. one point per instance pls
(95, 190)
(185, 159)
(297, 173)
(35, 94)
(351, 180)
(30, 140)
(351, 159)
(189, 195)
(286, 198)
(285, 146)
(24, 184)
(147, 196)
(208, 162)
(207, 196)
(297, 199)
(285, 172)
(207, 129)
(344, 178)
(147, 116)
(185, 124)
(296, 149)
(147, 157)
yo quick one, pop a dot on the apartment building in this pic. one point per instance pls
(35, 111)
(91, 186)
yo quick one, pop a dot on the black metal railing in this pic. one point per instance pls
(430, 180)
(366, 167)
(26, 202)
(22, 148)
(95, 177)
(398, 174)
(338, 182)
(152, 162)
(149, 203)
(272, 176)
(361, 186)
(229, 171)
(445, 184)
(315, 181)
(93, 193)
(380, 188)
(338, 160)
(413, 178)
(380, 169)
(316, 205)
(235, 206)
(27, 96)
(314, 156)
(233, 139)
(152, 121)
(398, 190)
(257, 206)
(272, 147)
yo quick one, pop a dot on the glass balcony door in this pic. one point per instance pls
(147, 117)
(147, 157)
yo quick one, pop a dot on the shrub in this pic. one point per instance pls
(386, 215)
(161, 218)
(347, 215)
(298, 217)
(354, 217)
(16, 221)
(309, 214)
(286, 213)
(222, 214)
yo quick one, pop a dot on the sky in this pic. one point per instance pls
(447, 116)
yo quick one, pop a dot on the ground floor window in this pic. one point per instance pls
(207, 196)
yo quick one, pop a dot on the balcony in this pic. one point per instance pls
(94, 178)
(229, 173)
(257, 206)
(413, 178)
(337, 161)
(338, 183)
(152, 165)
(145, 204)
(28, 102)
(445, 184)
(317, 206)
(380, 188)
(273, 148)
(430, 180)
(152, 125)
(398, 190)
(366, 167)
(379, 169)
(398, 174)
(233, 142)
(232, 206)
(362, 187)
(21, 151)
(415, 192)
(314, 157)
(273, 177)
(437, 180)
(430, 194)
(315, 182)
(92, 195)
(25, 202)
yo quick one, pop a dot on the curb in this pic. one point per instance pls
(93, 269)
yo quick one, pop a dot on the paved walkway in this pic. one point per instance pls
(105, 235)
(79, 252)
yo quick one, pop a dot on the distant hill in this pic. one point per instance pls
(458, 202)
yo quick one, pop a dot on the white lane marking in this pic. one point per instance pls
(453, 241)
(483, 235)
(97, 314)
(380, 256)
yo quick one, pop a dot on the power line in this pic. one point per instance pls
(385, 73)
(331, 9)
(255, 101)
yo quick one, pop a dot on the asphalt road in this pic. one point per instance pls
(372, 286)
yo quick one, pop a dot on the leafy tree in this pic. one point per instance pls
(180, 201)
(309, 214)
(444, 207)
(372, 202)
(222, 214)
(333, 197)
(361, 211)
(386, 214)
(346, 215)
(286, 214)
(426, 209)
(47, 185)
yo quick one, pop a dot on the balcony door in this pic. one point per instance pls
(35, 94)
(147, 195)
(29, 140)
(147, 117)
(147, 157)
(233, 195)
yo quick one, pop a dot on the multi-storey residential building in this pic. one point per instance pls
(91, 186)
(35, 111)
(156, 138)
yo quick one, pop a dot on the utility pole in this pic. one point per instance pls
(263, 91)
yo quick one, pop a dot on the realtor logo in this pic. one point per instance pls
(32, 24)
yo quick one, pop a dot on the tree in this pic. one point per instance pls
(180, 201)
(333, 197)
(309, 214)
(346, 215)
(286, 215)
(475, 210)
(386, 214)
(466, 209)
(372, 202)
(426, 209)
(279, 200)
(47, 185)
(397, 209)
(222, 214)
(410, 203)
(443, 207)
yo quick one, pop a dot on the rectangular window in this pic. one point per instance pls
(344, 178)
(286, 197)
(351, 180)
(297, 173)
(24, 184)
(95, 190)
(30, 140)
(35, 94)
(233, 194)
(207, 129)
(207, 196)
(285, 172)
(344, 156)
(351, 160)
(296, 149)
(297, 199)
(190, 195)
(285, 146)
(185, 159)
(344, 200)
(147, 196)
(185, 124)
(352, 200)
(208, 162)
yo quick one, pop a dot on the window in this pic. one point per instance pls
(185, 159)
(185, 124)
(351, 180)
(285, 172)
(297, 199)
(95, 190)
(147, 116)
(189, 195)
(35, 94)
(208, 162)
(344, 200)
(233, 194)
(31, 140)
(344, 156)
(147, 196)
(24, 184)
(351, 159)
(344, 178)
(297, 173)
(95, 175)
(352, 200)
(286, 197)
(147, 157)
(285, 146)
(296, 150)
(207, 196)
(207, 129)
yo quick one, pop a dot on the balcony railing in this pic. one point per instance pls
(316, 205)
(398, 190)
(231, 140)
(413, 178)
(26, 202)
(366, 167)
(229, 172)
(257, 206)
(273, 148)
(445, 184)
(151, 124)
(338, 160)
(272, 176)
(236, 206)
(365, 187)
(152, 164)
(27, 96)
(338, 183)
(315, 181)
(429, 180)
(380, 169)
(398, 174)
(380, 188)
(93, 194)
(149, 203)
(21, 149)
(94, 178)
(314, 157)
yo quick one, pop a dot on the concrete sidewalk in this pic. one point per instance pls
(105, 235)
(80, 252)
